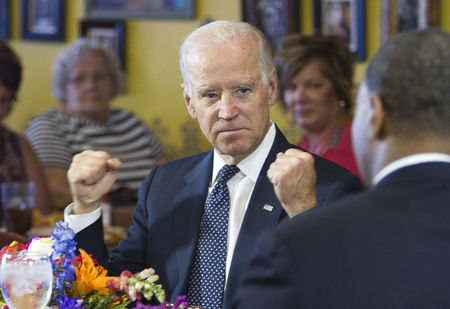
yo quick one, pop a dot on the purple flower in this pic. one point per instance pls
(140, 305)
(62, 231)
(64, 302)
(180, 301)
(64, 247)
(62, 256)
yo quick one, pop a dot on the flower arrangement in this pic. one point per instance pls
(80, 283)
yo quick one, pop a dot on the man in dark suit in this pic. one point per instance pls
(229, 86)
(389, 246)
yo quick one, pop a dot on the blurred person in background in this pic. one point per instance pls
(18, 163)
(316, 81)
(86, 77)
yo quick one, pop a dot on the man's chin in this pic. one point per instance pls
(237, 151)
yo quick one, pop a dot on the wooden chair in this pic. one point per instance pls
(7, 237)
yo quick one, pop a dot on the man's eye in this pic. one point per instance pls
(244, 91)
(209, 95)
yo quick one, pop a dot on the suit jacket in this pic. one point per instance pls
(388, 247)
(166, 221)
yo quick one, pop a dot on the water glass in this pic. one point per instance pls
(26, 280)
(17, 199)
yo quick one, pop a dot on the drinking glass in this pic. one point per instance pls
(26, 280)
(17, 199)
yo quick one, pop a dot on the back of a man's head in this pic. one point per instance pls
(411, 74)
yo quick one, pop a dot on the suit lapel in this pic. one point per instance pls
(187, 215)
(257, 217)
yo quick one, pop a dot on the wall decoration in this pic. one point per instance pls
(344, 18)
(275, 18)
(109, 33)
(5, 30)
(42, 20)
(404, 15)
(122, 9)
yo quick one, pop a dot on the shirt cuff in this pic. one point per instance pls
(80, 222)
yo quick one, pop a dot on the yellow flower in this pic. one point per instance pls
(90, 277)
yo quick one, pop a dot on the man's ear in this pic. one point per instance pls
(188, 102)
(379, 121)
(273, 87)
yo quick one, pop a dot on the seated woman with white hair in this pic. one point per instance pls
(86, 77)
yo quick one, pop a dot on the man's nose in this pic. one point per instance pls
(227, 108)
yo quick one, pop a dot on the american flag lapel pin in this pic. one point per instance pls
(268, 207)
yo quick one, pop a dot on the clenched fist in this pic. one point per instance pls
(90, 176)
(294, 178)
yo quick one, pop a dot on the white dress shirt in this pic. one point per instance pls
(240, 187)
(408, 161)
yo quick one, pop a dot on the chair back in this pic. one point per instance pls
(8, 237)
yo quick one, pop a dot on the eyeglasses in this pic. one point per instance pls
(96, 78)
(6, 101)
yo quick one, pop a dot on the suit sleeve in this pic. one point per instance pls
(268, 282)
(90, 239)
(349, 184)
(334, 182)
(129, 253)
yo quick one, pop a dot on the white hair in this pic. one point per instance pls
(67, 58)
(219, 32)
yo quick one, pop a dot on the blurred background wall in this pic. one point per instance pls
(152, 68)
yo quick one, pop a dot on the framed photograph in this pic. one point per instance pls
(5, 30)
(404, 15)
(123, 9)
(275, 18)
(42, 20)
(108, 33)
(344, 18)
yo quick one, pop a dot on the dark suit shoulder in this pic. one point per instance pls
(186, 163)
(175, 171)
(334, 181)
(390, 206)
(328, 169)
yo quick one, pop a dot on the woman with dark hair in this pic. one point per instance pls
(17, 159)
(316, 81)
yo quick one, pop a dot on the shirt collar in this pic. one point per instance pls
(251, 165)
(410, 160)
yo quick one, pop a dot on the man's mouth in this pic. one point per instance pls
(229, 130)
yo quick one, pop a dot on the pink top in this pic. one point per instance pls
(335, 145)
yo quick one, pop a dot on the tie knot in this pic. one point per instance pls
(226, 172)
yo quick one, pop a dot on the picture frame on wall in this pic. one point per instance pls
(275, 18)
(109, 33)
(5, 21)
(42, 20)
(344, 18)
(133, 9)
(403, 15)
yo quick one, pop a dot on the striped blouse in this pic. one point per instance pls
(56, 137)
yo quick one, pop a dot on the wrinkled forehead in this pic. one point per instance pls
(243, 47)
(226, 58)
